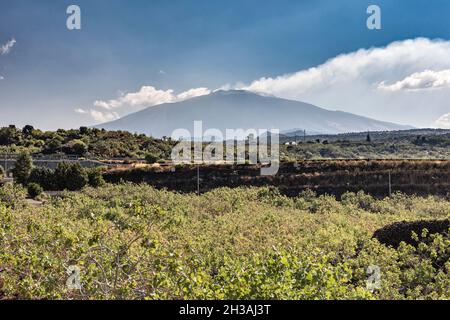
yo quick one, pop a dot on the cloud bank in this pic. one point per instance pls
(407, 82)
(427, 79)
(376, 82)
(147, 96)
(367, 65)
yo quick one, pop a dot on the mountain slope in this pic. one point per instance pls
(242, 109)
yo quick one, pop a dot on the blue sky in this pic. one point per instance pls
(179, 45)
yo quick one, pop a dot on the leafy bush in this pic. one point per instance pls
(13, 195)
(151, 158)
(34, 190)
(76, 147)
(70, 176)
(22, 168)
(95, 177)
(45, 177)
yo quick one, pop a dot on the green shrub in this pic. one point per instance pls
(271, 195)
(13, 195)
(95, 177)
(78, 147)
(151, 158)
(34, 190)
(44, 177)
(22, 168)
(70, 176)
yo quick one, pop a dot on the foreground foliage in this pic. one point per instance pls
(135, 242)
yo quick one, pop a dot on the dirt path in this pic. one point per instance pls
(34, 203)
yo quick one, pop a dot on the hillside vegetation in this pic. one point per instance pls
(135, 242)
(102, 144)
(406, 144)
(82, 142)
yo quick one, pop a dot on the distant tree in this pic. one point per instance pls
(45, 177)
(78, 147)
(53, 146)
(151, 158)
(70, 176)
(61, 132)
(83, 130)
(27, 130)
(368, 138)
(9, 136)
(95, 177)
(23, 168)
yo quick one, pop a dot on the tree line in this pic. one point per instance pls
(83, 142)
(67, 176)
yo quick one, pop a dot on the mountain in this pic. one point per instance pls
(236, 109)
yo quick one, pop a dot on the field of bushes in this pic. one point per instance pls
(131, 241)
(423, 177)
(404, 144)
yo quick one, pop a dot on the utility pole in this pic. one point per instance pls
(6, 162)
(198, 180)
(390, 187)
(304, 135)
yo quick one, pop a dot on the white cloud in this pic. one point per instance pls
(99, 116)
(147, 96)
(6, 48)
(80, 111)
(2, 78)
(196, 92)
(103, 116)
(424, 80)
(443, 121)
(366, 64)
(351, 82)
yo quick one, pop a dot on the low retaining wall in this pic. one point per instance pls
(52, 164)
